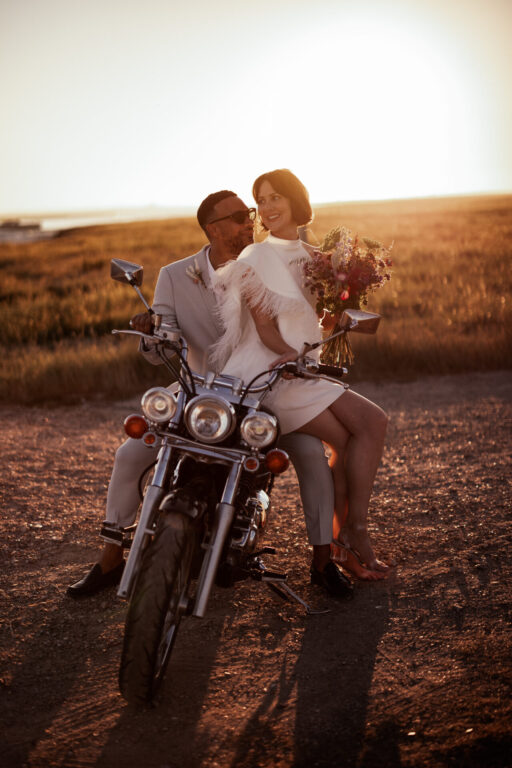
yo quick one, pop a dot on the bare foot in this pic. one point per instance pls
(357, 540)
(347, 559)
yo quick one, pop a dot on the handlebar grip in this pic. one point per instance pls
(331, 370)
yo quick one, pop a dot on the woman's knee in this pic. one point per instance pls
(380, 422)
(372, 423)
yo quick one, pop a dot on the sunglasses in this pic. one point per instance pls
(239, 217)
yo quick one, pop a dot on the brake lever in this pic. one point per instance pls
(145, 336)
(156, 341)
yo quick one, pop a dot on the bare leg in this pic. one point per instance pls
(365, 424)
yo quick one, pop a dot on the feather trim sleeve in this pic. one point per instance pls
(256, 279)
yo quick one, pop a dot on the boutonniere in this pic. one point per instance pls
(196, 274)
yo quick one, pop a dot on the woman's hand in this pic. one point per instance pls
(328, 321)
(287, 357)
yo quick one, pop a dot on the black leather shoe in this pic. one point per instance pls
(95, 581)
(333, 581)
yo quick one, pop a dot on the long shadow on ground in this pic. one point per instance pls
(328, 684)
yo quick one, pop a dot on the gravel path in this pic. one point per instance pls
(415, 671)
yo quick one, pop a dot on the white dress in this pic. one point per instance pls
(269, 275)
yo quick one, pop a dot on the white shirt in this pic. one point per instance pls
(214, 279)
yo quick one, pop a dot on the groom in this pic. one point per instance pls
(185, 296)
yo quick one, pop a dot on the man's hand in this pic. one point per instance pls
(142, 323)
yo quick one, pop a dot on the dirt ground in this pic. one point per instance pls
(415, 671)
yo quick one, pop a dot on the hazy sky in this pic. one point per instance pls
(113, 103)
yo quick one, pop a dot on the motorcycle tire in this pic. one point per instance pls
(156, 608)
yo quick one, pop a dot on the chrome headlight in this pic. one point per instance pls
(259, 429)
(209, 418)
(159, 405)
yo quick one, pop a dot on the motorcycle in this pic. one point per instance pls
(207, 503)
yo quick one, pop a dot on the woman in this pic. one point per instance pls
(268, 316)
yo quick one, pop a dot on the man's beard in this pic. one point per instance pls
(239, 242)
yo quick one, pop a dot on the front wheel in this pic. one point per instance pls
(156, 607)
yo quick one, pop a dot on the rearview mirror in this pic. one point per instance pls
(367, 322)
(126, 272)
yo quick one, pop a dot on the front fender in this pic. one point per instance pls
(185, 501)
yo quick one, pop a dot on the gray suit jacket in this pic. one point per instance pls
(189, 306)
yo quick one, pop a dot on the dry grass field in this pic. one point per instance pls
(445, 310)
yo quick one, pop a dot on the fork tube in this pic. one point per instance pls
(151, 503)
(224, 515)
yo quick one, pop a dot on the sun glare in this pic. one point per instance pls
(374, 99)
(377, 113)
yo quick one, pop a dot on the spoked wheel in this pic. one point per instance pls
(171, 626)
(157, 605)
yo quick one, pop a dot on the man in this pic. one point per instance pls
(185, 297)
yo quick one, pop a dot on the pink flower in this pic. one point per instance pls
(344, 295)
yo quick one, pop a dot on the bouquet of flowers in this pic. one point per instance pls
(341, 273)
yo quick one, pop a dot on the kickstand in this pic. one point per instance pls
(283, 590)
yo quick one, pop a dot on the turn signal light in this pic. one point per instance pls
(277, 461)
(135, 426)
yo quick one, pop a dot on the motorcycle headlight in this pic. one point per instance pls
(259, 429)
(158, 405)
(210, 419)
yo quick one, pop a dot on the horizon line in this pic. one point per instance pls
(161, 207)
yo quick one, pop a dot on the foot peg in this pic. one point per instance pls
(114, 534)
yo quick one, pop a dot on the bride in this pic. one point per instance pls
(268, 316)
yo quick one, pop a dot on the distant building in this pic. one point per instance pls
(16, 224)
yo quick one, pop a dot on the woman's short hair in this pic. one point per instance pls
(206, 208)
(288, 185)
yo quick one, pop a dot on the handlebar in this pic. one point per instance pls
(331, 370)
(308, 366)
(303, 367)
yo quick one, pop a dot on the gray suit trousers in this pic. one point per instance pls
(308, 458)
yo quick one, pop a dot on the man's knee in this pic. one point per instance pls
(312, 450)
(133, 456)
(304, 450)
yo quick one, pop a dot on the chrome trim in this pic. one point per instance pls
(182, 399)
(272, 424)
(209, 379)
(151, 503)
(164, 393)
(224, 515)
(222, 402)
(217, 452)
(233, 384)
(247, 469)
